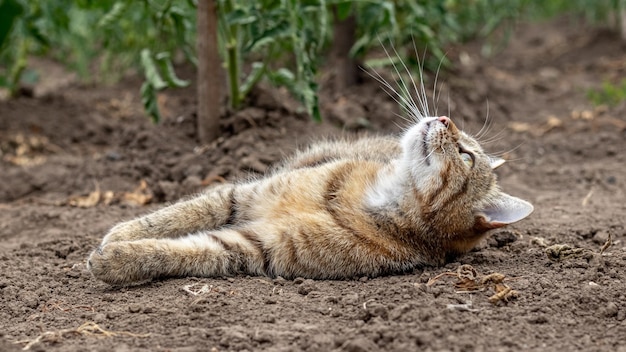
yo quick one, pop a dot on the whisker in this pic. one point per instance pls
(510, 150)
(486, 124)
(497, 137)
(436, 101)
(422, 91)
(406, 97)
(392, 93)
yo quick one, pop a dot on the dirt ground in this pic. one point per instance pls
(76, 159)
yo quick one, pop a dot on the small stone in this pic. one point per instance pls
(271, 300)
(350, 298)
(600, 237)
(375, 309)
(279, 281)
(298, 280)
(503, 238)
(610, 310)
(29, 299)
(306, 287)
(112, 315)
(538, 319)
(113, 155)
(360, 344)
(135, 308)
(364, 279)
(262, 336)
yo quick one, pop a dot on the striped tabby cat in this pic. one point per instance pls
(339, 209)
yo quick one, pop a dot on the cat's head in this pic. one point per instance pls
(455, 184)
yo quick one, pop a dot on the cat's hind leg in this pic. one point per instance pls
(209, 210)
(207, 254)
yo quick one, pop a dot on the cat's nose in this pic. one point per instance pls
(445, 120)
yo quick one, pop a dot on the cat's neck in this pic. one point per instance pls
(389, 188)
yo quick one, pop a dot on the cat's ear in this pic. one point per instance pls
(501, 211)
(495, 162)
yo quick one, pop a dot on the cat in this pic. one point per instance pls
(339, 209)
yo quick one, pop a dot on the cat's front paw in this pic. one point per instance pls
(125, 231)
(116, 264)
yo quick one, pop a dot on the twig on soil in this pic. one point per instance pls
(466, 307)
(54, 305)
(366, 302)
(88, 329)
(607, 244)
(587, 198)
(433, 280)
(196, 292)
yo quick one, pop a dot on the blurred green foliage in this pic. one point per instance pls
(608, 94)
(283, 41)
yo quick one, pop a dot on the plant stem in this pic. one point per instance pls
(232, 56)
(233, 74)
(18, 68)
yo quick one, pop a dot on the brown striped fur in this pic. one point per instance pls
(339, 209)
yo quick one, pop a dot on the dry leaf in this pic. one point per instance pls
(495, 278)
(520, 126)
(503, 294)
(142, 195)
(88, 201)
(467, 284)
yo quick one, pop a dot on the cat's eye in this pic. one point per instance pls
(467, 157)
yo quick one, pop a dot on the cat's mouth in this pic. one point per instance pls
(432, 130)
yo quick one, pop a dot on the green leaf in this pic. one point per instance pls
(283, 77)
(150, 70)
(10, 10)
(343, 10)
(163, 59)
(149, 101)
(239, 17)
(114, 15)
(253, 78)
(35, 32)
(269, 36)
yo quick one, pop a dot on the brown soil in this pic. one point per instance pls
(78, 159)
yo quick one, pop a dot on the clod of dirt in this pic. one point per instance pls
(610, 310)
(360, 344)
(7, 346)
(307, 287)
(350, 298)
(503, 238)
(600, 237)
(348, 114)
(374, 309)
(279, 280)
(559, 252)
